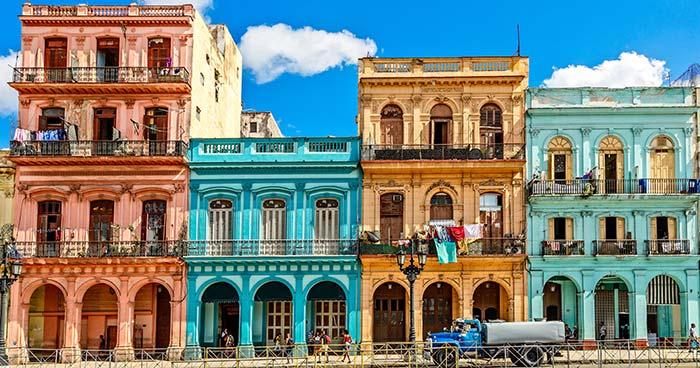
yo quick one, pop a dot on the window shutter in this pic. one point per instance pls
(551, 228)
(550, 166)
(601, 228)
(569, 228)
(569, 166)
(620, 165)
(652, 228)
(42, 123)
(672, 228)
(620, 228)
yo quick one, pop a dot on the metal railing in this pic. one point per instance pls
(613, 247)
(674, 352)
(476, 151)
(99, 249)
(98, 148)
(479, 247)
(96, 74)
(84, 10)
(667, 247)
(562, 247)
(587, 187)
(279, 247)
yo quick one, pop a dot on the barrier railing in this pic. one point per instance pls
(667, 247)
(99, 249)
(98, 148)
(614, 247)
(662, 353)
(587, 187)
(278, 247)
(563, 247)
(468, 152)
(106, 74)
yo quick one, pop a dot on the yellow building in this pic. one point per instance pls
(7, 187)
(443, 144)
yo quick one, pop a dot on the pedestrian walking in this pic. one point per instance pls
(222, 337)
(602, 331)
(692, 338)
(288, 347)
(347, 343)
(325, 340)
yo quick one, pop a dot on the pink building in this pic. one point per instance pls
(108, 99)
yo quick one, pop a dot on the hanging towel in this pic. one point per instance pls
(442, 233)
(472, 231)
(456, 232)
(446, 252)
(72, 132)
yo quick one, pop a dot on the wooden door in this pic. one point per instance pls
(101, 220)
(389, 322)
(390, 217)
(153, 220)
(159, 53)
(493, 223)
(111, 337)
(56, 59)
(49, 221)
(162, 318)
(392, 131)
(437, 308)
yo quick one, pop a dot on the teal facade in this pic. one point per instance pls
(273, 227)
(612, 201)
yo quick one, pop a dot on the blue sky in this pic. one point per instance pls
(553, 34)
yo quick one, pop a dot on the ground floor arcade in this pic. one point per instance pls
(484, 288)
(128, 305)
(617, 298)
(257, 300)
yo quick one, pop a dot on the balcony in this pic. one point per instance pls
(113, 151)
(563, 248)
(96, 80)
(665, 247)
(372, 67)
(105, 249)
(281, 247)
(481, 247)
(464, 152)
(589, 187)
(613, 247)
(83, 10)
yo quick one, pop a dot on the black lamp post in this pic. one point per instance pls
(11, 268)
(412, 270)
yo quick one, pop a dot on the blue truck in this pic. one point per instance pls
(526, 344)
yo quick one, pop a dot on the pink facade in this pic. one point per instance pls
(106, 107)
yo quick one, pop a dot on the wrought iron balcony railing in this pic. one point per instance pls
(613, 247)
(280, 247)
(96, 74)
(98, 148)
(480, 247)
(661, 247)
(99, 249)
(562, 247)
(467, 152)
(588, 187)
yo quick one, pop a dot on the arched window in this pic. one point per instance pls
(611, 163)
(326, 224)
(560, 159)
(491, 129)
(441, 124)
(220, 220)
(274, 220)
(662, 161)
(441, 207)
(391, 125)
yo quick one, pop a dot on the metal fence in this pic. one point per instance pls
(473, 151)
(613, 353)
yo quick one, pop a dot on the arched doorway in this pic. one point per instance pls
(612, 311)
(46, 318)
(560, 301)
(391, 125)
(490, 302)
(152, 317)
(662, 166)
(441, 124)
(491, 130)
(326, 305)
(99, 318)
(439, 300)
(664, 315)
(389, 315)
(441, 210)
(220, 311)
(390, 217)
(272, 313)
(611, 163)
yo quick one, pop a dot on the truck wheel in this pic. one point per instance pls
(528, 356)
(438, 357)
(445, 356)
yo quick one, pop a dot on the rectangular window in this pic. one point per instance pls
(559, 228)
(253, 126)
(48, 221)
(273, 231)
(159, 53)
(559, 167)
(279, 319)
(326, 219)
(220, 220)
(330, 316)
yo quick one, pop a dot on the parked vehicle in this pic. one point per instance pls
(526, 344)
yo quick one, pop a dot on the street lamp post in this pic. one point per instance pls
(412, 270)
(11, 269)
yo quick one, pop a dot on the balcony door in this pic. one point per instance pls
(391, 125)
(491, 131)
(611, 160)
(441, 119)
(153, 220)
(273, 231)
(326, 226)
(159, 53)
(390, 217)
(662, 228)
(107, 60)
(103, 132)
(491, 215)
(155, 130)
(56, 59)
(48, 228)
(101, 220)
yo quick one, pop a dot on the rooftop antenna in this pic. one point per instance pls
(517, 28)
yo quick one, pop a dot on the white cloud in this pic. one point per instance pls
(8, 96)
(628, 70)
(200, 5)
(270, 51)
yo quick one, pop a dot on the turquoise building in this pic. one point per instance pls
(273, 227)
(612, 219)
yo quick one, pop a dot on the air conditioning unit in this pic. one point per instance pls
(396, 198)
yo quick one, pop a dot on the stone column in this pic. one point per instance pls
(71, 332)
(124, 350)
(418, 290)
(366, 308)
(638, 306)
(586, 318)
(177, 322)
(299, 315)
(193, 326)
(536, 294)
(245, 333)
